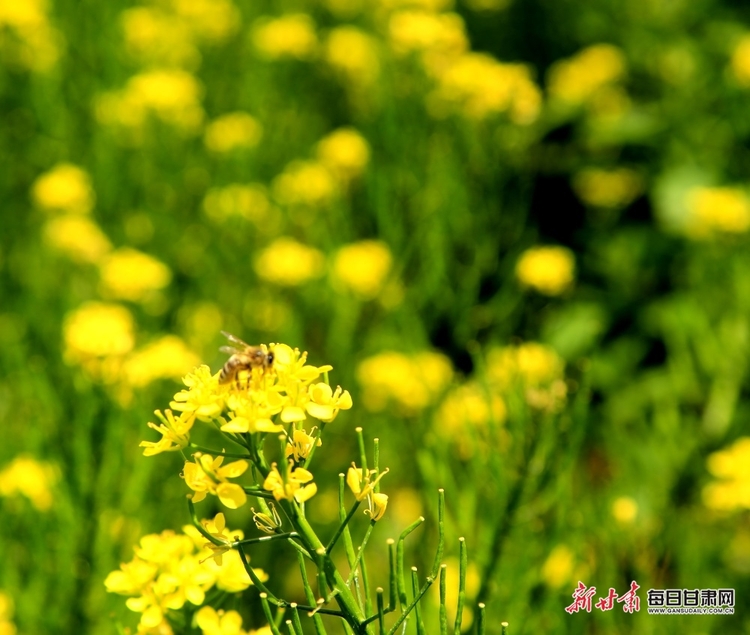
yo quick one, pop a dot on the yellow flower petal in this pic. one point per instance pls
(292, 413)
(231, 495)
(306, 493)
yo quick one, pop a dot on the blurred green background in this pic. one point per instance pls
(517, 229)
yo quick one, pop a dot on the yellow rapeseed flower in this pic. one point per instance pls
(549, 270)
(478, 86)
(78, 237)
(345, 152)
(207, 475)
(714, 210)
(579, 78)
(411, 381)
(65, 188)
(301, 444)
(167, 571)
(296, 484)
(129, 274)
(731, 468)
(353, 54)
(291, 36)
(203, 396)
(607, 188)
(305, 184)
(175, 433)
(740, 62)
(33, 479)
(362, 267)
(98, 330)
(213, 622)
(288, 263)
(231, 131)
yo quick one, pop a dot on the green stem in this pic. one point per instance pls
(342, 526)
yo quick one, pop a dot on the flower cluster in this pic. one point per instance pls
(171, 569)
(254, 401)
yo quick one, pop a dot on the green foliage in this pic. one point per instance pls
(574, 425)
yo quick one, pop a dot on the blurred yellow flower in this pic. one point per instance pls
(558, 568)
(167, 571)
(209, 20)
(479, 86)
(345, 152)
(248, 201)
(233, 130)
(607, 188)
(713, 210)
(433, 6)
(362, 267)
(65, 188)
(213, 622)
(578, 78)
(487, 5)
(625, 510)
(466, 413)
(292, 35)
(412, 381)
(421, 31)
(532, 363)
(78, 237)
(166, 358)
(740, 62)
(549, 270)
(6, 615)
(27, 39)
(132, 275)
(353, 54)
(231, 575)
(731, 468)
(305, 183)
(31, 478)
(154, 36)
(172, 96)
(98, 330)
(288, 263)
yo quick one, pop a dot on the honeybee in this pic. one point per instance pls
(243, 357)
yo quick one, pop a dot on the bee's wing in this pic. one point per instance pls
(229, 350)
(235, 340)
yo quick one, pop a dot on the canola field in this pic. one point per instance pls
(374, 316)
